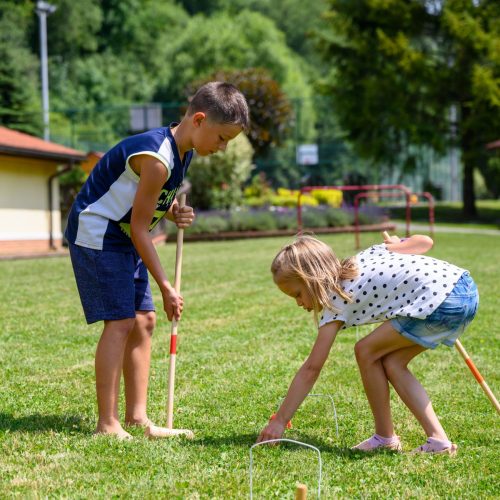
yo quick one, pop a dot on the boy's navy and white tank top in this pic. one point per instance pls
(392, 284)
(100, 215)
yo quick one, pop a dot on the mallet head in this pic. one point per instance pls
(156, 432)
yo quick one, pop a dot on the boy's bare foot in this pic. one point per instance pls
(138, 423)
(112, 430)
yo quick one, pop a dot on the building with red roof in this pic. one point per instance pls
(30, 217)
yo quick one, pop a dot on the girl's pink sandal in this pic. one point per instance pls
(437, 447)
(377, 442)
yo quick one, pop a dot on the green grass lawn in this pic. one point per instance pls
(240, 343)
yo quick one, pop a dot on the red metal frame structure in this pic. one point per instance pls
(432, 204)
(366, 194)
(364, 187)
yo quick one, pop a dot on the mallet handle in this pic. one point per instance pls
(301, 492)
(173, 331)
(477, 375)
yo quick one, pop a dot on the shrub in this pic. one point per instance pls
(256, 201)
(258, 192)
(289, 199)
(337, 218)
(368, 218)
(252, 221)
(217, 179)
(331, 197)
(314, 218)
(208, 224)
(286, 221)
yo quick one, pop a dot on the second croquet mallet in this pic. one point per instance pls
(477, 375)
(153, 431)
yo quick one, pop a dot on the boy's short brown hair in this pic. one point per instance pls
(222, 102)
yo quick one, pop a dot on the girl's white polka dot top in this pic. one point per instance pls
(392, 284)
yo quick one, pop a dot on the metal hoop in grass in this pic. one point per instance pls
(283, 440)
(333, 406)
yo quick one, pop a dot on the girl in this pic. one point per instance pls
(421, 302)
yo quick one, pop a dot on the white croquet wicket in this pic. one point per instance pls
(300, 488)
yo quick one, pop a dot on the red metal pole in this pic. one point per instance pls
(356, 220)
(430, 199)
(408, 215)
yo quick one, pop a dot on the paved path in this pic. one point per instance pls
(448, 229)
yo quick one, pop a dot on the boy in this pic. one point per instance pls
(131, 188)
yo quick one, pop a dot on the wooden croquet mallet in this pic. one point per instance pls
(477, 375)
(301, 492)
(153, 431)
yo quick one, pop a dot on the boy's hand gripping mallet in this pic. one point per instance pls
(477, 375)
(153, 431)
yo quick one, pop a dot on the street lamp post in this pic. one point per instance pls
(43, 9)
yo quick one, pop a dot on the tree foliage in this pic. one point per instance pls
(399, 67)
(298, 20)
(271, 113)
(19, 97)
(224, 42)
(394, 72)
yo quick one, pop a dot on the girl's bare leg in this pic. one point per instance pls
(136, 364)
(369, 353)
(108, 364)
(411, 391)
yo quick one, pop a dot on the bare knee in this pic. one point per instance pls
(363, 353)
(146, 322)
(393, 365)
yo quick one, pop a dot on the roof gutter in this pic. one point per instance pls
(51, 219)
(35, 153)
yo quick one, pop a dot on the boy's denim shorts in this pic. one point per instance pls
(112, 285)
(447, 322)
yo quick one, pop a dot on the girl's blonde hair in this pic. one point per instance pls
(315, 263)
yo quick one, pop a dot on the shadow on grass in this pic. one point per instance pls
(43, 423)
(247, 440)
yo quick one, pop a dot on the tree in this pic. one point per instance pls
(224, 42)
(271, 113)
(297, 19)
(117, 55)
(20, 105)
(399, 68)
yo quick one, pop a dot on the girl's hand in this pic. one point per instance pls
(390, 239)
(183, 217)
(273, 430)
(173, 303)
(417, 244)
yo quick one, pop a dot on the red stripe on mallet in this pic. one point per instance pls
(477, 375)
(173, 344)
(474, 370)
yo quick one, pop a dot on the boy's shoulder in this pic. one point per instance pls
(157, 141)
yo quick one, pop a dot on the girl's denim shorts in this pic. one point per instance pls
(447, 322)
(112, 285)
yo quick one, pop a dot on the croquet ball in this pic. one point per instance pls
(288, 425)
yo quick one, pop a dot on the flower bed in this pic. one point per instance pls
(251, 223)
